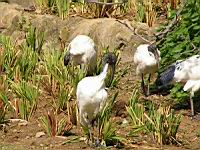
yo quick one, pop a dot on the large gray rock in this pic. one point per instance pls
(105, 31)
(24, 3)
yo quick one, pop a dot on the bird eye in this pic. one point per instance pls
(151, 54)
(178, 68)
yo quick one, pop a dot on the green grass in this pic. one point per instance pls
(53, 125)
(58, 7)
(28, 96)
(162, 122)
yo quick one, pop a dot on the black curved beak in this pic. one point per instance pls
(67, 58)
(112, 73)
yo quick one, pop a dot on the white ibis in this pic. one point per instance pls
(186, 72)
(92, 95)
(81, 50)
(146, 58)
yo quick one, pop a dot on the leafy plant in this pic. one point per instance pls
(27, 68)
(136, 113)
(119, 74)
(140, 15)
(5, 102)
(60, 7)
(46, 4)
(183, 41)
(162, 123)
(63, 98)
(178, 93)
(107, 128)
(3, 108)
(30, 51)
(54, 69)
(8, 55)
(63, 8)
(35, 39)
(54, 127)
(146, 12)
(57, 80)
(28, 95)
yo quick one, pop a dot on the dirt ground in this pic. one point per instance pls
(23, 137)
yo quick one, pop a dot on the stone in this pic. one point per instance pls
(23, 123)
(124, 122)
(39, 134)
(104, 31)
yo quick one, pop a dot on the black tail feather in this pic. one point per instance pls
(166, 77)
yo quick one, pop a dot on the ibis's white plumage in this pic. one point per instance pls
(186, 72)
(82, 51)
(192, 85)
(91, 96)
(188, 69)
(146, 59)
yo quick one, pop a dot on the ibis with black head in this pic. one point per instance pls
(81, 50)
(146, 59)
(92, 95)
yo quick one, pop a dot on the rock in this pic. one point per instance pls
(8, 12)
(24, 3)
(83, 138)
(23, 123)
(39, 134)
(16, 131)
(105, 31)
(124, 122)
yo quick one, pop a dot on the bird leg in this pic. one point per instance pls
(191, 104)
(148, 85)
(97, 143)
(91, 138)
(142, 85)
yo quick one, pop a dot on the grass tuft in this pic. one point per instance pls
(162, 122)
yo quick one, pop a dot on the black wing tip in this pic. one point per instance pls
(166, 77)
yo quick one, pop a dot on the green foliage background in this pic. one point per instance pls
(178, 43)
(183, 41)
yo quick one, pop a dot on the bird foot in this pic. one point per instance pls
(97, 143)
(89, 142)
(92, 144)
